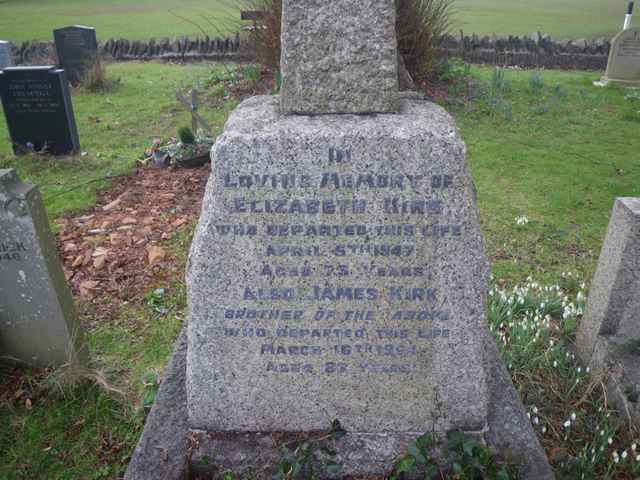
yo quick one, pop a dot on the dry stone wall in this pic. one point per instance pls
(532, 51)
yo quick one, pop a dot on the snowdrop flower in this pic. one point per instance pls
(637, 458)
(567, 424)
(522, 220)
(634, 446)
(544, 430)
(624, 455)
(610, 441)
(573, 417)
(616, 458)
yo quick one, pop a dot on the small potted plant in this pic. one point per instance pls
(189, 150)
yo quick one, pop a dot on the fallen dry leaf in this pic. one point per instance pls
(156, 254)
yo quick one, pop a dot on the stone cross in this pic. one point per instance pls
(38, 325)
(339, 57)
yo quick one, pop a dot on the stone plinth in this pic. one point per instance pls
(38, 325)
(338, 272)
(339, 57)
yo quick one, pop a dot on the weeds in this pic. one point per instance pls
(96, 79)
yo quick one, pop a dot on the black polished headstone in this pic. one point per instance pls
(6, 55)
(77, 49)
(37, 105)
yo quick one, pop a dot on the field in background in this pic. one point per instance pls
(143, 19)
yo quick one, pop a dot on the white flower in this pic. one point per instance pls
(573, 417)
(555, 364)
(634, 446)
(522, 220)
(637, 458)
(536, 420)
(535, 409)
(610, 441)
(567, 424)
(601, 431)
(624, 454)
(544, 430)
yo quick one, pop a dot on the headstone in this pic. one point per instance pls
(77, 49)
(608, 336)
(6, 55)
(38, 325)
(614, 299)
(37, 106)
(349, 61)
(337, 273)
(624, 59)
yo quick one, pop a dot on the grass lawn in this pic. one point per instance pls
(142, 19)
(547, 147)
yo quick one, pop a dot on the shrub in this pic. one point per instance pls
(420, 24)
(186, 136)
(96, 79)
(266, 37)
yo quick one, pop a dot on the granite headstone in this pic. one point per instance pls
(614, 298)
(38, 325)
(609, 333)
(337, 273)
(339, 57)
(6, 55)
(77, 50)
(624, 59)
(38, 109)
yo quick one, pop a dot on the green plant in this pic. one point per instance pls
(536, 83)
(417, 457)
(300, 458)
(186, 136)
(420, 24)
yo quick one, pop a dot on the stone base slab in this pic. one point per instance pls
(170, 450)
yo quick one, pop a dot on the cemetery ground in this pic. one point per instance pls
(22, 20)
(548, 152)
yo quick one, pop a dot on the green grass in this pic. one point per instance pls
(557, 152)
(22, 20)
(114, 128)
(549, 147)
(560, 18)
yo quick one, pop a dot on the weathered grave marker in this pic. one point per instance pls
(337, 273)
(37, 106)
(38, 325)
(77, 49)
(624, 59)
(609, 334)
(6, 55)
(197, 122)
